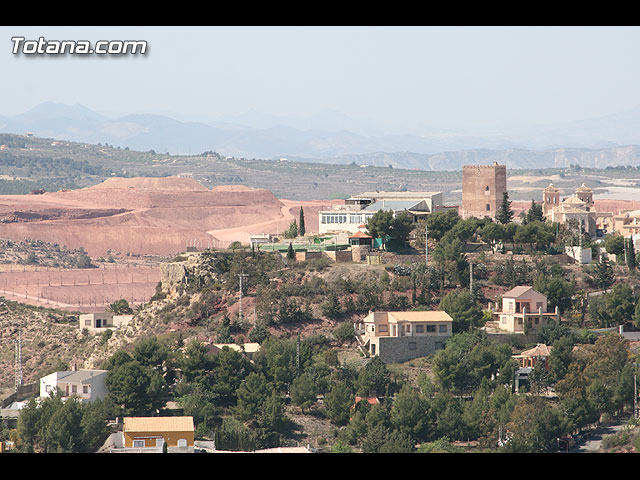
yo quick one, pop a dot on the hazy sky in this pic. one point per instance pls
(442, 77)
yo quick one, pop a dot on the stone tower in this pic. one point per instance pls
(483, 187)
(550, 198)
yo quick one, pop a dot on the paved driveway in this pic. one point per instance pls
(595, 441)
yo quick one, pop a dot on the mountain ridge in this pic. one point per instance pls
(566, 143)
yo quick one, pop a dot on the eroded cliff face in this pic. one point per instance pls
(173, 274)
(191, 269)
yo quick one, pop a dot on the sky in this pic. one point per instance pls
(406, 78)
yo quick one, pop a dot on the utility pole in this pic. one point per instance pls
(426, 244)
(19, 380)
(241, 276)
(298, 357)
(635, 396)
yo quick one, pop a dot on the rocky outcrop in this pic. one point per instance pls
(191, 269)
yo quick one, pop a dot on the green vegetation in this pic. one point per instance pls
(302, 314)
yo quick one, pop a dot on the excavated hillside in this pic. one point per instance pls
(158, 216)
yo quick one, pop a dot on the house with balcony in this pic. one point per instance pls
(402, 336)
(523, 309)
(87, 385)
(536, 357)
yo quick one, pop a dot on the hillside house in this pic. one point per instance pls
(537, 356)
(87, 385)
(524, 308)
(101, 321)
(401, 336)
(248, 349)
(140, 434)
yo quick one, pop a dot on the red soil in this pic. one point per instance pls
(159, 216)
(87, 290)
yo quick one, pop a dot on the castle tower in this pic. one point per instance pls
(585, 194)
(550, 198)
(483, 187)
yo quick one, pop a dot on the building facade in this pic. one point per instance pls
(87, 385)
(153, 432)
(402, 336)
(578, 208)
(101, 321)
(524, 309)
(357, 210)
(483, 187)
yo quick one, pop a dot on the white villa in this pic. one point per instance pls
(87, 385)
(357, 210)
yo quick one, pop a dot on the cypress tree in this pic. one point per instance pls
(301, 228)
(505, 214)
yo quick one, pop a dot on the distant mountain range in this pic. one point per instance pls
(331, 137)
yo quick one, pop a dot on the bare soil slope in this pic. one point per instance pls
(159, 216)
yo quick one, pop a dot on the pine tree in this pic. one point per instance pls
(301, 228)
(602, 275)
(505, 214)
(535, 213)
(291, 254)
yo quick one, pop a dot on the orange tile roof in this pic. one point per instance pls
(540, 350)
(158, 424)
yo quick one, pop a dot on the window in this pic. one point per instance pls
(74, 389)
(419, 328)
(85, 389)
(431, 328)
(443, 328)
(488, 207)
(138, 444)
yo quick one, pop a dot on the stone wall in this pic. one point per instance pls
(339, 255)
(401, 349)
(302, 256)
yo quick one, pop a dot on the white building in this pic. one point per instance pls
(87, 385)
(357, 210)
(101, 321)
